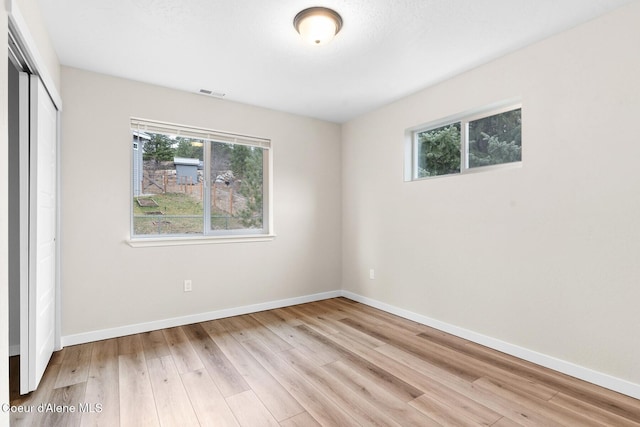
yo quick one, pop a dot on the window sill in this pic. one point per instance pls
(197, 240)
(471, 171)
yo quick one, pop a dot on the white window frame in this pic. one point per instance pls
(411, 140)
(208, 235)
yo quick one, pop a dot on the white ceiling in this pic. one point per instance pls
(249, 49)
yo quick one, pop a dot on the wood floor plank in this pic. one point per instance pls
(426, 375)
(317, 404)
(184, 355)
(378, 396)
(505, 422)
(319, 308)
(275, 398)
(214, 327)
(427, 378)
(400, 387)
(75, 365)
(484, 367)
(250, 411)
(155, 345)
(460, 404)
(284, 313)
(355, 334)
(130, 344)
(247, 327)
(208, 403)
(221, 370)
(596, 413)
(137, 403)
(62, 408)
(441, 413)
(358, 407)
(408, 343)
(314, 318)
(240, 327)
(172, 403)
(101, 389)
(57, 357)
(337, 308)
(376, 316)
(290, 333)
(300, 420)
(551, 415)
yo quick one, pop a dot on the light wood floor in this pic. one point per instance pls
(333, 362)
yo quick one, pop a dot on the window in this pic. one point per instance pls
(462, 144)
(190, 182)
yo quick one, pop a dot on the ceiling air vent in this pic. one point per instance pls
(213, 93)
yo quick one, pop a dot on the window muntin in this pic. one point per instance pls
(197, 182)
(460, 144)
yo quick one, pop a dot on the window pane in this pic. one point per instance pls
(236, 187)
(495, 139)
(168, 185)
(438, 151)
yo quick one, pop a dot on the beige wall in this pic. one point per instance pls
(544, 256)
(106, 283)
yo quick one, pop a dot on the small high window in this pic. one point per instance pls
(461, 144)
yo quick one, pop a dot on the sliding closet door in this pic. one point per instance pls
(42, 231)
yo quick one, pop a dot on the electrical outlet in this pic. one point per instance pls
(187, 286)
(372, 274)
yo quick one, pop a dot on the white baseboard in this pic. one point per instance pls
(577, 371)
(121, 331)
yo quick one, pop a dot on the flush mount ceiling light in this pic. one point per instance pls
(317, 25)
